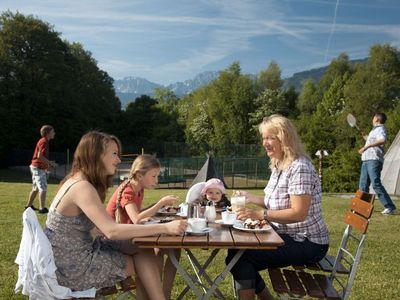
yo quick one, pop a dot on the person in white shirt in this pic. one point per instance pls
(372, 156)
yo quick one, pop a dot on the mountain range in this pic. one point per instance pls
(129, 88)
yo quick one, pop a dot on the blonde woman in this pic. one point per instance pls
(83, 262)
(292, 204)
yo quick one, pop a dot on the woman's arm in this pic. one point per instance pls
(250, 198)
(298, 211)
(89, 202)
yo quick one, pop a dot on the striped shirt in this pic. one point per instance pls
(299, 179)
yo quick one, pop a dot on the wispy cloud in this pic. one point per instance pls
(171, 40)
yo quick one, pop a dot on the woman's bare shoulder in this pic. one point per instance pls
(79, 187)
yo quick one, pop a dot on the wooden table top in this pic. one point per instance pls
(220, 237)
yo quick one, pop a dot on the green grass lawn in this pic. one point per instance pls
(378, 276)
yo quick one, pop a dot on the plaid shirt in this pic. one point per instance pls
(299, 179)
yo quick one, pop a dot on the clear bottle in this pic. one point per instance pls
(210, 213)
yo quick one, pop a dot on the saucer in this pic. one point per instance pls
(203, 232)
(221, 222)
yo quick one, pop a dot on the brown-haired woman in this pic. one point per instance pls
(77, 208)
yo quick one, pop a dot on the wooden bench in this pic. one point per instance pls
(122, 290)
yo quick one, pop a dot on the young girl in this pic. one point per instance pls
(214, 191)
(125, 205)
(83, 262)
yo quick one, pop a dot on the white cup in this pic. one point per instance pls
(197, 224)
(238, 201)
(228, 217)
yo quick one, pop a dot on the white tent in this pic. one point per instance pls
(390, 175)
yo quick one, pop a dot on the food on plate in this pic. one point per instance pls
(171, 209)
(255, 224)
(166, 220)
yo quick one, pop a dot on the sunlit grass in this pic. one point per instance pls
(378, 276)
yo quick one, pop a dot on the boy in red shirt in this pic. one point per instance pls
(39, 165)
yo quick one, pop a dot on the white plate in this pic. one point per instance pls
(152, 221)
(239, 226)
(223, 224)
(203, 232)
(179, 214)
(163, 212)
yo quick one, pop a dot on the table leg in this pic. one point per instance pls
(202, 269)
(194, 265)
(213, 289)
(223, 274)
(184, 274)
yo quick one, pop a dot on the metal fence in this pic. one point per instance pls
(176, 172)
(238, 172)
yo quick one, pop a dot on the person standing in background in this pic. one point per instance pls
(39, 165)
(372, 156)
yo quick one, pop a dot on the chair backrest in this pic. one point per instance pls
(357, 219)
(360, 211)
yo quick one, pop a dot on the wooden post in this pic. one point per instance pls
(321, 154)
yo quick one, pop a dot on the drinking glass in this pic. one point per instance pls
(193, 211)
(238, 201)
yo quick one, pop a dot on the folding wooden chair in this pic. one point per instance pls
(297, 283)
(123, 290)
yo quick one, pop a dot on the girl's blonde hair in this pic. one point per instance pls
(141, 165)
(286, 133)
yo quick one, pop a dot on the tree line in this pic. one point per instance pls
(47, 80)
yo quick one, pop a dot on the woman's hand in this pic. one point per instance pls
(243, 213)
(248, 197)
(177, 227)
(168, 200)
(239, 193)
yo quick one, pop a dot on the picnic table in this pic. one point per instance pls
(220, 237)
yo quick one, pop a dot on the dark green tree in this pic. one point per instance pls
(229, 105)
(308, 98)
(375, 85)
(45, 80)
(270, 78)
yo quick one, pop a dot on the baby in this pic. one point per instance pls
(214, 190)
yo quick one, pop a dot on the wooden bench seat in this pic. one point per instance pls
(325, 264)
(300, 283)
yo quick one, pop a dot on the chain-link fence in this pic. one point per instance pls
(176, 172)
(238, 172)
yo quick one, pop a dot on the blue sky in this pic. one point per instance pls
(166, 41)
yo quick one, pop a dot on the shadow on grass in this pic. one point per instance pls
(20, 176)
